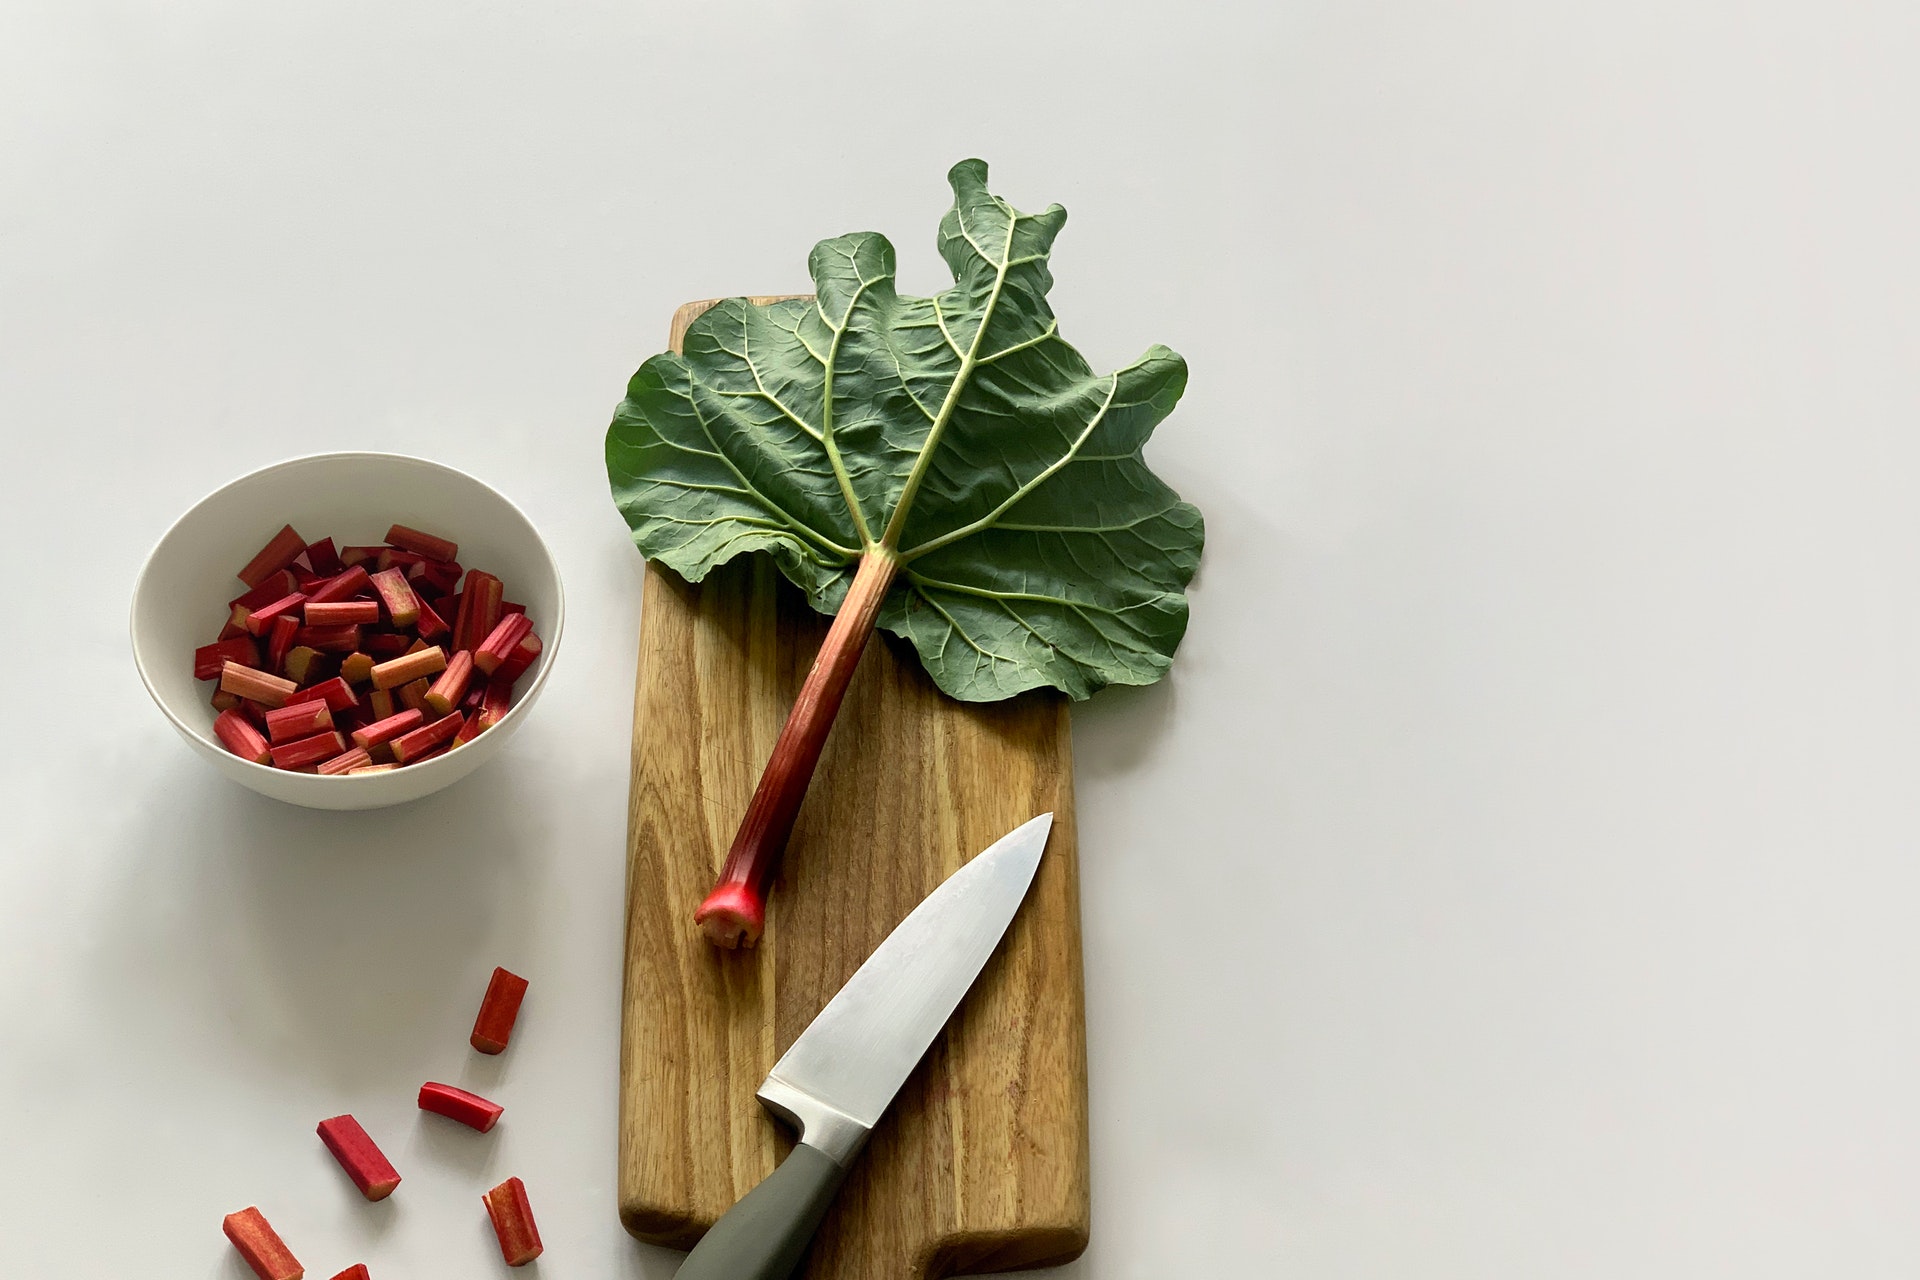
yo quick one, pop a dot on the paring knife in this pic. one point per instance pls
(839, 1076)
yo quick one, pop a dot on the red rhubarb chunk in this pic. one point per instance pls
(323, 559)
(408, 667)
(260, 619)
(282, 550)
(333, 613)
(277, 584)
(342, 586)
(209, 660)
(387, 730)
(269, 690)
(479, 610)
(280, 638)
(425, 544)
(501, 642)
(309, 751)
(298, 720)
(357, 1154)
(470, 1109)
(447, 691)
(336, 693)
(396, 594)
(345, 762)
(434, 576)
(524, 655)
(498, 1011)
(237, 734)
(261, 1246)
(430, 625)
(358, 1271)
(513, 1222)
(409, 747)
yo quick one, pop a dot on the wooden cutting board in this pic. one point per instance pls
(981, 1164)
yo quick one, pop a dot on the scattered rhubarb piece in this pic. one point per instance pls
(356, 668)
(479, 610)
(470, 1109)
(501, 642)
(224, 701)
(304, 664)
(335, 693)
(468, 732)
(408, 667)
(308, 751)
(279, 583)
(386, 644)
(346, 762)
(298, 720)
(394, 558)
(380, 702)
(413, 696)
(425, 544)
(261, 1245)
(430, 624)
(408, 747)
(396, 594)
(343, 639)
(375, 768)
(281, 550)
(237, 734)
(351, 556)
(452, 684)
(497, 1011)
(344, 585)
(333, 613)
(370, 1170)
(387, 729)
(493, 707)
(358, 1271)
(437, 576)
(280, 638)
(323, 559)
(269, 690)
(513, 1222)
(209, 660)
(262, 618)
(524, 655)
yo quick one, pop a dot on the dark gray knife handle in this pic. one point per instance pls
(763, 1236)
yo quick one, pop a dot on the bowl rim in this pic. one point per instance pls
(551, 643)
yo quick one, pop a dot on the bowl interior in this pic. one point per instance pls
(181, 600)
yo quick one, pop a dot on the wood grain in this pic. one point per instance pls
(981, 1165)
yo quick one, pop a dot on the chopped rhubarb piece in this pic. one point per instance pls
(260, 619)
(388, 767)
(386, 644)
(394, 558)
(309, 751)
(333, 613)
(305, 583)
(323, 559)
(340, 639)
(267, 689)
(298, 720)
(494, 707)
(437, 576)
(430, 625)
(425, 544)
(363, 1161)
(282, 550)
(356, 668)
(334, 693)
(501, 642)
(387, 729)
(470, 1109)
(209, 660)
(479, 610)
(229, 629)
(408, 747)
(344, 585)
(403, 607)
(237, 734)
(497, 1011)
(305, 664)
(395, 672)
(224, 701)
(345, 762)
(380, 702)
(468, 731)
(351, 556)
(261, 1246)
(448, 606)
(277, 584)
(237, 615)
(513, 1222)
(452, 684)
(525, 654)
(413, 696)
(280, 638)
(358, 1271)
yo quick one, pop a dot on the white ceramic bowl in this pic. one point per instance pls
(180, 601)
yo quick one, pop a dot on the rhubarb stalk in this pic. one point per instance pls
(736, 911)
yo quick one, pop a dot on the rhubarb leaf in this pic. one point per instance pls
(960, 433)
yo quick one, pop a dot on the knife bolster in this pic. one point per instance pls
(818, 1124)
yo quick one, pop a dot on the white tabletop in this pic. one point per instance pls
(1515, 877)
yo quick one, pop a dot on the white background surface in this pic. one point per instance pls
(1514, 879)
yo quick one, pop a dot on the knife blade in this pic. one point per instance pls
(836, 1080)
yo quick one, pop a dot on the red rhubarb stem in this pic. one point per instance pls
(736, 911)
